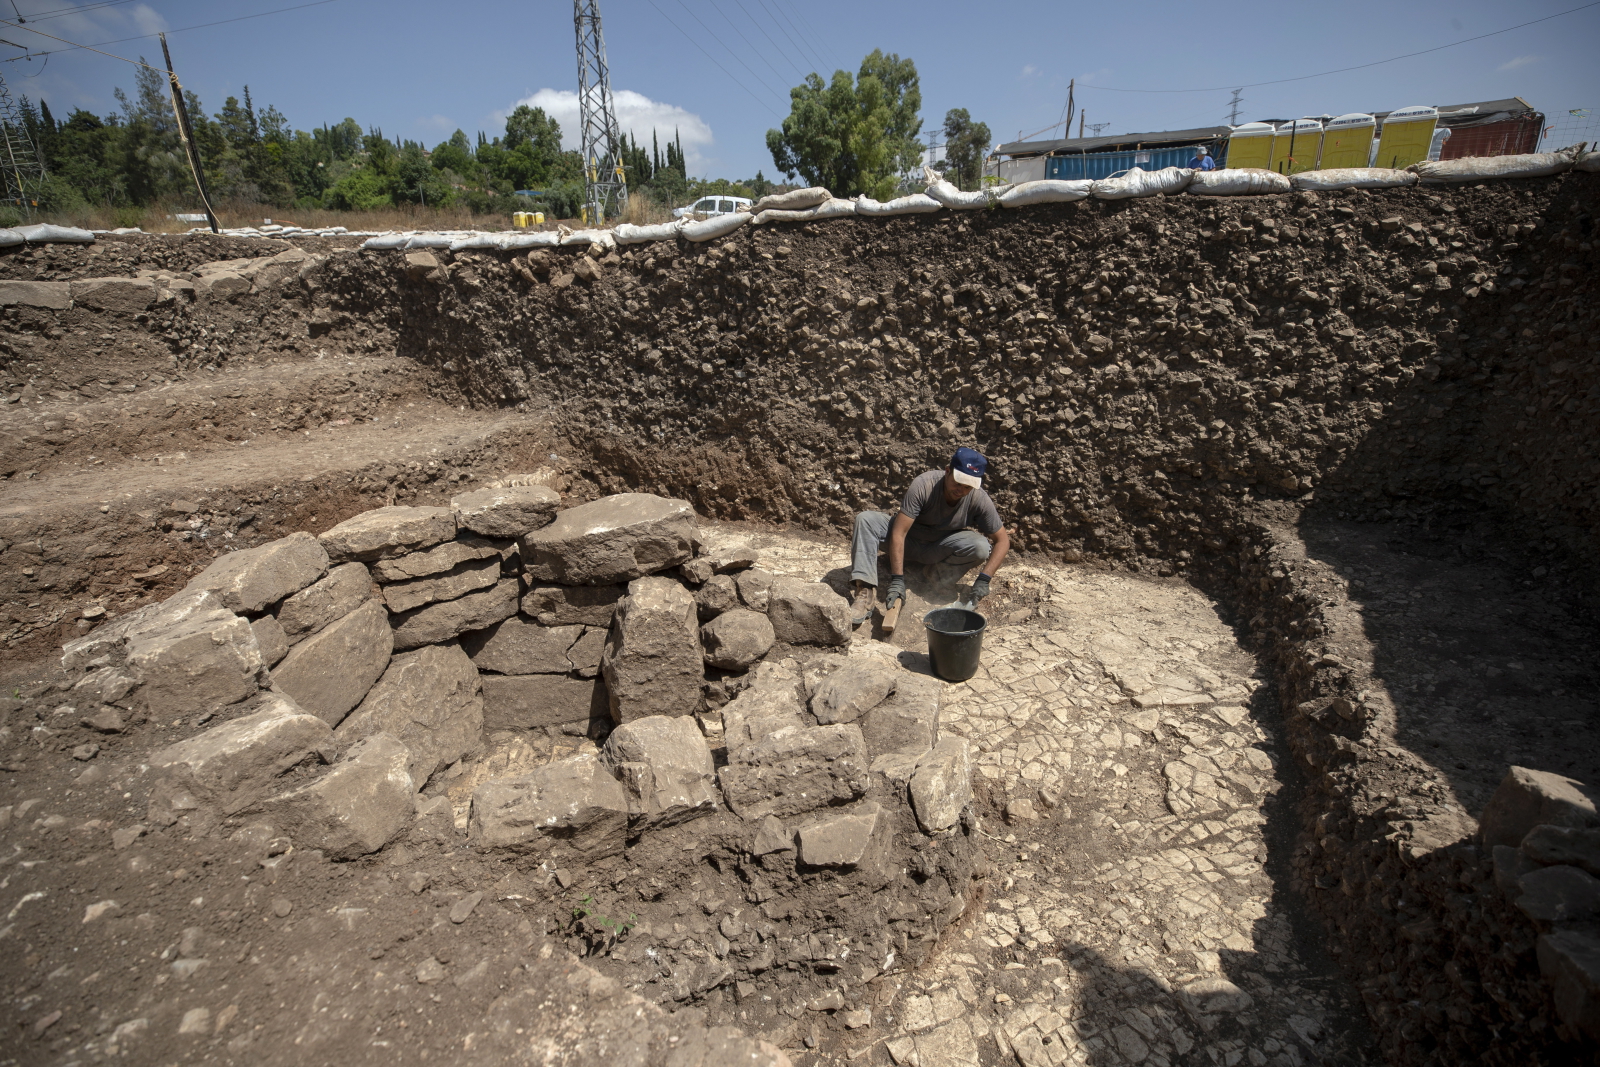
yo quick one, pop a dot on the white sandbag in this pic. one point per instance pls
(629, 234)
(579, 238)
(429, 240)
(1245, 181)
(1483, 168)
(915, 204)
(9, 238)
(510, 242)
(1046, 191)
(1352, 178)
(41, 233)
(477, 240)
(1139, 183)
(716, 226)
(832, 209)
(387, 240)
(1589, 163)
(794, 200)
(948, 195)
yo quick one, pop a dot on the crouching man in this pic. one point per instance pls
(946, 517)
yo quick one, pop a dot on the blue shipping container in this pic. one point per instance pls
(1096, 165)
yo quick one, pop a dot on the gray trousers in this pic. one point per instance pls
(962, 548)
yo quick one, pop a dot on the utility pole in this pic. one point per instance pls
(186, 135)
(1081, 116)
(1233, 107)
(1071, 104)
(605, 180)
(21, 172)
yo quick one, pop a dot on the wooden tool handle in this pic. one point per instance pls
(891, 618)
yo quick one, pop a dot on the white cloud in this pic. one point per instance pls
(636, 114)
(1519, 61)
(436, 122)
(1029, 70)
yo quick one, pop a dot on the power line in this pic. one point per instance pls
(62, 12)
(147, 36)
(746, 40)
(709, 56)
(799, 48)
(798, 67)
(1359, 66)
(735, 54)
(806, 30)
(799, 32)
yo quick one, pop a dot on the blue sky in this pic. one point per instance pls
(719, 70)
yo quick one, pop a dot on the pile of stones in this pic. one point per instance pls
(346, 670)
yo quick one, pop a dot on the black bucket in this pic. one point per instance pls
(955, 642)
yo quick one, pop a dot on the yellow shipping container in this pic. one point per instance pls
(1250, 145)
(1407, 134)
(1297, 146)
(1347, 142)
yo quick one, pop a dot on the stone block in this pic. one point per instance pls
(563, 605)
(796, 769)
(53, 296)
(386, 532)
(441, 622)
(1509, 867)
(808, 613)
(1564, 845)
(429, 700)
(843, 839)
(534, 701)
(572, 810)
(665, 768)
(1559, 894)
(1527, 798)
(345, 589)
(223, 285)
(439, 559)
(717, 595)
(354, 809)
(273, 641)
(652, 661)
(736, 639)
(771, 837)
(329, 673)
(907, 722)
(128, 295)
(847, 694)
(227, 766)
(519, 645)
(249, 580)
(509, 512)
(586, 652)
(109, 642)
(700, 569)
(1570, 963)
(457, 582)
(941, 786)
(769, 704)
(613, 539)
(755, 588)
(201, 663)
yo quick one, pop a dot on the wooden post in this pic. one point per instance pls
(186, 135)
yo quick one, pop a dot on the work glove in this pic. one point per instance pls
(897, 591)
(980, 588)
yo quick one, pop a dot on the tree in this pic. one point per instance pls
(965, 142)
(853, 135)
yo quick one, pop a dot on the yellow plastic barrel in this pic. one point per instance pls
(1347, 142)
(1250, 145)
(1406, 137)
(1297, 146)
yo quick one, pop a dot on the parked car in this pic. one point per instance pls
(712, 205)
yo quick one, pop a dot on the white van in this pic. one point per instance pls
(713, 205)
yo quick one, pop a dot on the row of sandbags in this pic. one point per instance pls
(43, 233)
(816, 204)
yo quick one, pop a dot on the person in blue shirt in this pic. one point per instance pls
(1202, 160)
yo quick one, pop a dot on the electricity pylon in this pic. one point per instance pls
(21, 172)
(605, 182)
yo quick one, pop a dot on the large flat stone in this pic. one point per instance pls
(808, 613)
(840, 839)
(572, 810)
(613, 539)
(1527, 798)
(385, 532)
(249, 580)
(441, 622)
(128, 295)
(109, 642)
(564, 605)
(356, 808)
(736, 639)
(847, 694)
(1559, 894)
(329, 673)
(519, 645)
(200, 663)
(908, 720)
(665, 768)
(345, 589)
(431, 701)
(457, 582)
(1570, 963)
(796, 769)
(652, 662)
(509, 512)
(534, 701)
(53, 296)
(1564, 844)
(586, 652)
(941, 785)
(770, 703)
(439, 559)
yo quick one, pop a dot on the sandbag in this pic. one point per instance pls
(9, 238)
(428, 240)
(716, 226)
(794, 200)
(387, 240)
(579, 238)
(1139, 183)
(1245, 181)
(833, 209)
(41, 233)
(1047, 191)
(1483, 168)
(477, 240)
(915, 204)
(629, 234)
(1589, 163)
(1352, 178)
(947, 194)
(508, 242)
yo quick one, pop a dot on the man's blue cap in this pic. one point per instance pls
(968, 467)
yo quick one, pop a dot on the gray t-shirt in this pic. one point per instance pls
(926, 505)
